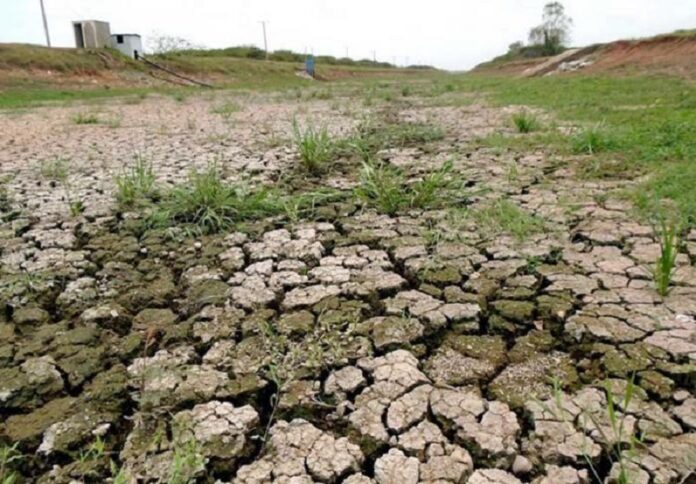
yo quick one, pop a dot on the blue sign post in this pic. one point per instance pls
(309, 65)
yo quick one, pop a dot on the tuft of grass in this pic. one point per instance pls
(314, 146)
(8, 456)
(592, 140)
(187, 462)
(211, 205)
(526, 122)
(85, 118)
(226, 110)
(55, 170)
(384, 187)
(668, 237)
(136, 183)
(504, 216)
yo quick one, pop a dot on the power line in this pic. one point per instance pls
(45, 23)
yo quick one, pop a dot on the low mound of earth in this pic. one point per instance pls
(668, 54)
(349, 346)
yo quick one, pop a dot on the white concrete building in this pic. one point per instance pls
(92, 34)
(128, 44)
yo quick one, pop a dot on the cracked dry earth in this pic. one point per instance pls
(472, 358)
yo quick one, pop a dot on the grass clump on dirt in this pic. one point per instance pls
(227, 109)
(526, 122)
(314, 146)
(504, 216)
(667, 232)
(55, 170)
(136, 183)
(384, 187)
(212, 205)
(85, 118)
(592, 140)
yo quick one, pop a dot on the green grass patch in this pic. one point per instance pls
(85, 118)
(526, 122)
(384, 187)
(505, 217)
(136, 183)
(314, 146)
(643, 124)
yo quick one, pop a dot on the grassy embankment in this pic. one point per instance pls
(631, 126)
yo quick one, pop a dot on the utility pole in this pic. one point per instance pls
(265, 40)
(45, 23)
(374, 56)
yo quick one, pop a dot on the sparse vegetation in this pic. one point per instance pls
(384, 187)
(227, 109)
(592, 140)
(667, 234)
(85, 118)
(137, 182)
(212, 205)
(56, 169)
(526, 122)
(505, 216)
(9, 456)
(314, 146)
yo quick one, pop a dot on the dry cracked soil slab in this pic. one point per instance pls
(347, 346)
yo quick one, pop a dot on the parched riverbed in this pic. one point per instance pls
(341, 344)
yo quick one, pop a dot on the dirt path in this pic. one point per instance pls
(423, 347)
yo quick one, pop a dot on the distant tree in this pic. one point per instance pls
(554, 31)
(168, 44)
(515, 47)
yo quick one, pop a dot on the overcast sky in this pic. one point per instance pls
(451, 34)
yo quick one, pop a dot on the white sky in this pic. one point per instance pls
(451, 34)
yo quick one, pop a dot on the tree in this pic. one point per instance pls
(554, 31)
(515, 47)
(167, 44)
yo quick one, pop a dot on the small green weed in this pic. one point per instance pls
(526, 122)
(315, 147)
(668, 237)
(85, 118)
(187, 462)
(136, 183)
(56, 169)
(226, 110)
(8, 456)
